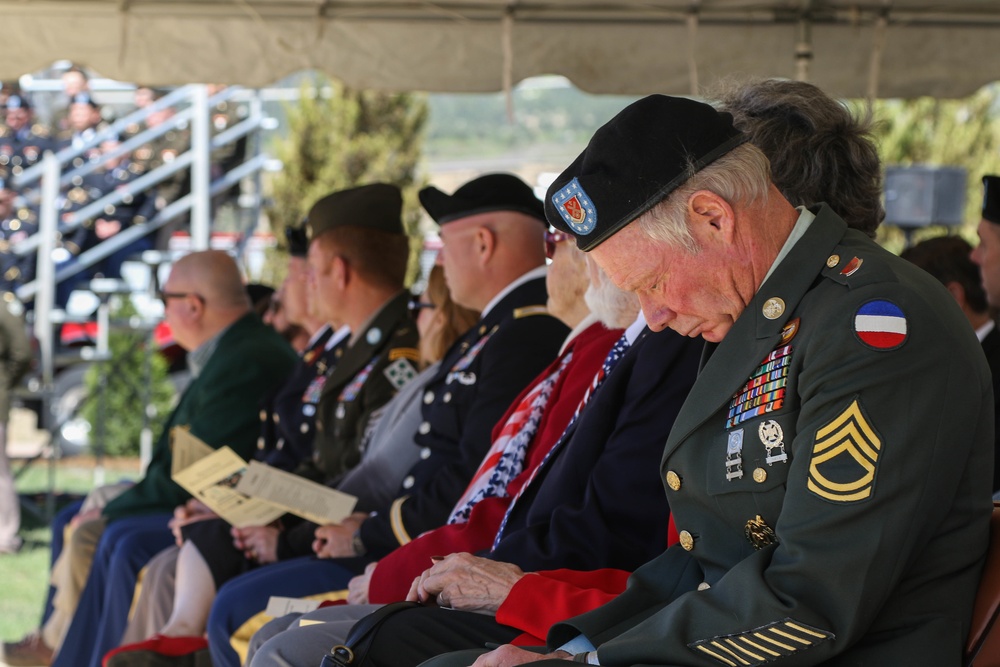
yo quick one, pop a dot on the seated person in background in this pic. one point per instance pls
(947, 258)
(22, 142)
(390, 453)
(208, 312)
(16, 224)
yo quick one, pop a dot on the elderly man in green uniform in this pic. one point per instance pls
(235, 360)
(830, 471)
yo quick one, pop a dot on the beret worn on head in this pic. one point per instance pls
(633, 162)
(298, 240)
(991, 199)
(492, 192)
(377, 206)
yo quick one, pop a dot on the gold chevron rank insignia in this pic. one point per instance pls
(845, 458)
(761, 645)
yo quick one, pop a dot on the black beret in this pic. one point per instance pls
(991, 199)
(378, 206)
(18, 102)
(492, 192)
(298, 239)
(633, 162)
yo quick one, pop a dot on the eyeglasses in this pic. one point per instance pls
(553, 238)
(164, 296)
(416, 305)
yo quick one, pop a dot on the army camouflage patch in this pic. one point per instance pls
(399, 373)
(410, 353)
(761, 645)
(845, 458)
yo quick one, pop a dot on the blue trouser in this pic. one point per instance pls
(242, 598)
(100, 619)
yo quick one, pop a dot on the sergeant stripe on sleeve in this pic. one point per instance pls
(761, 645)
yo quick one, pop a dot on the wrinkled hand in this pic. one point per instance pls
(357, 588)
(466, 582)
(84, 517)
(335, 540)
(258, 543)
(507, 656)
(190, 512)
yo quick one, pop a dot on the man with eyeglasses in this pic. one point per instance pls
(234, 361)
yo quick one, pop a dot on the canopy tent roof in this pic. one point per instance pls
(853, 48)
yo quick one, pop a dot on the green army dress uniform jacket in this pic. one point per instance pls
(829, 475)
(219, 407)
(376, 365)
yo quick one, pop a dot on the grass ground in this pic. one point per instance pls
(24, 576)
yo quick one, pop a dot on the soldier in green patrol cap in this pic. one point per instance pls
(830, 471)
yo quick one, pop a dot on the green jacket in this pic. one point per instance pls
(220, 406)
(830, 475)
(373, 369)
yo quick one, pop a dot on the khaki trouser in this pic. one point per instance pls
(69, 576)
(71, 569)
(154, 599)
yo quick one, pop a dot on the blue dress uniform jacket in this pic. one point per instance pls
(288, 416)
(857, 531)
(17, 270)
(375, 366)
(23, 149)
(480, 376)
(595, 502)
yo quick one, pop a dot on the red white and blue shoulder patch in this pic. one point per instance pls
(881, 325)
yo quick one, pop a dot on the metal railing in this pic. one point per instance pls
(41, 185)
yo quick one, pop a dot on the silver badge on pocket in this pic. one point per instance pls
(734, 455)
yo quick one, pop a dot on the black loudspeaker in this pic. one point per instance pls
(921, 196)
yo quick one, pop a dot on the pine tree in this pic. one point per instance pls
(928, 131)
(345, 139)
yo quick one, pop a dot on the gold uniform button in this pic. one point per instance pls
(428, 398)
(260, 443)
(263, 415)
(673, 481)
(832, 261)
(425, 453)
(704, 586)
(687, 540)
(760, 475)
(447, 397)
(424, 428)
